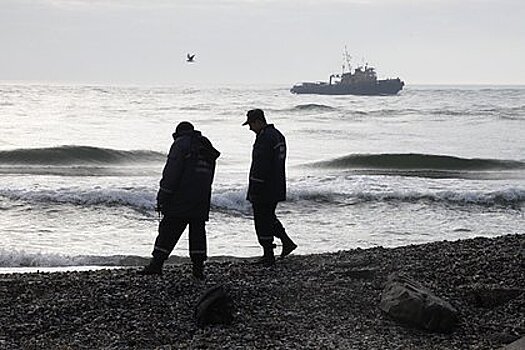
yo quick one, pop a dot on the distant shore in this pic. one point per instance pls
(325, 301)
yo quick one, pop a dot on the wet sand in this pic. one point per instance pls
(327, 301)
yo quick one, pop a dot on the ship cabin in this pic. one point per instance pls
(361, 75)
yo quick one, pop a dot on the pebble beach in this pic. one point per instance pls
(324, 301)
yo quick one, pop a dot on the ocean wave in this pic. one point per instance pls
(75, 170)
(517, 113)
(139, 199)
(312, 107)
(416, 161)
(100, 90)
(503, 112)
(77, 155)
(511, 197)
(233, 201)
(28, 259)
(505, 198)
(190, 91)
(391, 112)
(508, 110)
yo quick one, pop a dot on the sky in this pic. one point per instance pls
(145, 42)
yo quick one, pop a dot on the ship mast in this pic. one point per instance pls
(346, 61)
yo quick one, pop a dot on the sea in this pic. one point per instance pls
(80, 167)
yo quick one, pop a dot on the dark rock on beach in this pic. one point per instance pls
(408, 301)
(214, 307)
(326, 301)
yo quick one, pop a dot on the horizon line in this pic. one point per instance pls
(215, 84)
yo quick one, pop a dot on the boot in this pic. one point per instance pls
(153, 268)
(198, 270)
(288, 245)
(268, 259)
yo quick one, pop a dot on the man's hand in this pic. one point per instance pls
(163, 200)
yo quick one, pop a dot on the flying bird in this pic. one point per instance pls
(190, 58)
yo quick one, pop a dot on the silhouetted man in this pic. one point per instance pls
(184, 198)
(267, 185)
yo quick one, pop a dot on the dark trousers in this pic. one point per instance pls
(267, 225)
(170, 230)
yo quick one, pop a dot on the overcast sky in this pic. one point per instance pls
(260, 41)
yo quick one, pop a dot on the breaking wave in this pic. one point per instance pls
(27, 259)
(510, 197)
(233, 201)
(77, 155)
(78, 170)
(139, 199)
(504, 198)
(418, 161)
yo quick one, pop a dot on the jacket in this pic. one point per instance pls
(267, 181)
(185, 187)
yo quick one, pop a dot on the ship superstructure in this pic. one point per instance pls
(362, 81)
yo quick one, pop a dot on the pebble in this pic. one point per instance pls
(305, 302)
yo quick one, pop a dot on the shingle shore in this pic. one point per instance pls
(326, 301)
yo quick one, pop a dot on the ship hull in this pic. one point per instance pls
(378, 88)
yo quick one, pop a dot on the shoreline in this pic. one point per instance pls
(327, 300)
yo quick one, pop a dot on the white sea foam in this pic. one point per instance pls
(141, 199)
(231, 200)
(144, 200)
(17, 258)
(512, 196)
(24, 259)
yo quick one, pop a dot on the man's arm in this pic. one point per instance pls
(171, 176)
(261, 167)
(172, 172)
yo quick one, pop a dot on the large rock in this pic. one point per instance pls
(517, 345)
(214, 306)
(409, 302)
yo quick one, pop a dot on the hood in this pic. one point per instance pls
(186, 132)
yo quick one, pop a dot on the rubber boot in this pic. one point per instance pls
(288, 245)
(268, 259)
(153, 268)
(198, 270)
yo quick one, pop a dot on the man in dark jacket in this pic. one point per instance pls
(184, 198)
(267, 185)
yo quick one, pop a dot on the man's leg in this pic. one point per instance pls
(263, 214)
(279, 232)
(170, 230)
(198, 247)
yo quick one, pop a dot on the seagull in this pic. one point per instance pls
(189, 58)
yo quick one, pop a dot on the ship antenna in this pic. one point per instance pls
(347, 59)
(343, 65)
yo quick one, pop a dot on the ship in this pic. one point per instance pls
(362, 81)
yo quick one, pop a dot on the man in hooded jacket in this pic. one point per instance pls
(184, 198)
